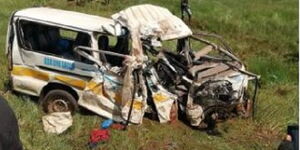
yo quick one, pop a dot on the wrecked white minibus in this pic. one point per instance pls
(119, 68)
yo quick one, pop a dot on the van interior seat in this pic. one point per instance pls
(53, 38)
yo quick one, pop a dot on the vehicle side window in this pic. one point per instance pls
(52, 40)
(114, 44)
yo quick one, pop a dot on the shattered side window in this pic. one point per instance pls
(118, 45)
(52, 40)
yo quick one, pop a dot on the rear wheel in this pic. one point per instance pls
(59, 101)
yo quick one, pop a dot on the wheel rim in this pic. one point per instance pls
(58, 105)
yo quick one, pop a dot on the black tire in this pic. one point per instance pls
(58, 101)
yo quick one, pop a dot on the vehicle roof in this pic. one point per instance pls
(151, 20)
(66, 18)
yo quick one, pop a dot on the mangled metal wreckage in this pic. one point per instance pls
(151, 79)
(201, 85)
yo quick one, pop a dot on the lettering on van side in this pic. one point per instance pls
(58, 63)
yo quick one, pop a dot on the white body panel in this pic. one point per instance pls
(67, 19)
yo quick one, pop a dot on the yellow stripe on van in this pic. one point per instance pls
(91, 85)
(118, 98)
(71, 81)
(96, 88)
(24, 71)
(159, 97)
(137, 105)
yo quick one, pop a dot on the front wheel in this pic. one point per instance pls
(59, 101)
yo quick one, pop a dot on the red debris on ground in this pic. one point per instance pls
(117, 126)
(99, 135)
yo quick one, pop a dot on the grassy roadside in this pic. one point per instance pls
(263, 33)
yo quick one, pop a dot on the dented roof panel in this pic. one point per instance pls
(66, 18)
(154, 20)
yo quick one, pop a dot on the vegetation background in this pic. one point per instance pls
(263, 33)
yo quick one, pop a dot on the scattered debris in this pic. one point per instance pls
(98, 136)
(57, 122)
(118, 126)
(106, 123)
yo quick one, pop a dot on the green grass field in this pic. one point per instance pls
(263, 33)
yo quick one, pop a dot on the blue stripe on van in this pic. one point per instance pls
(59, 64)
